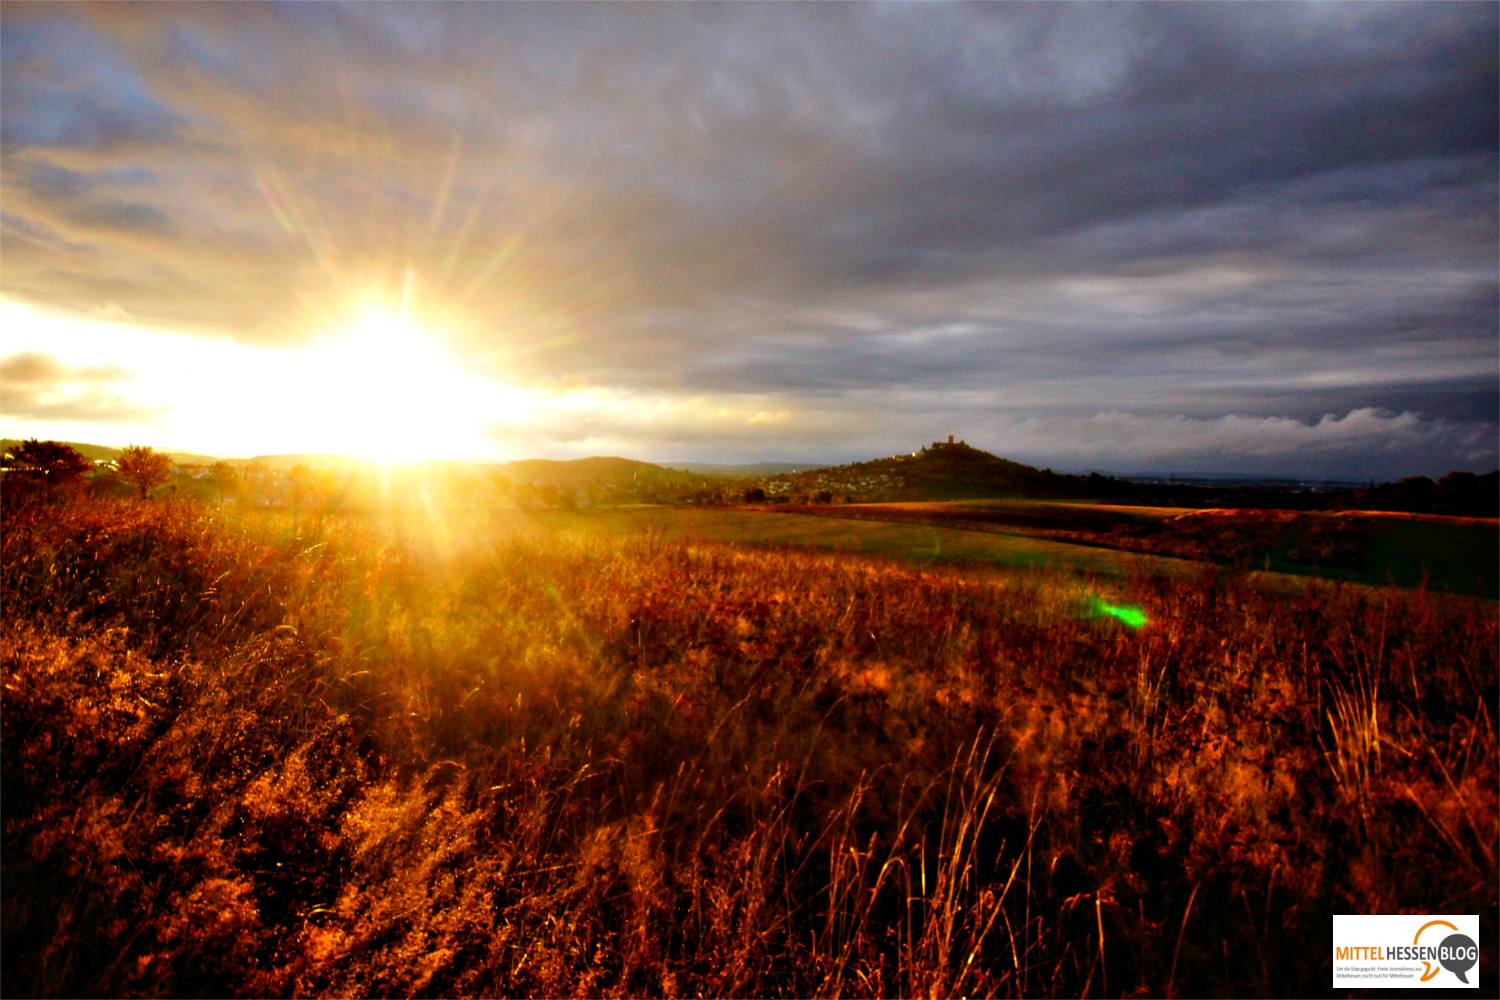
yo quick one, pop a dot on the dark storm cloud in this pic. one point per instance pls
(993, 210)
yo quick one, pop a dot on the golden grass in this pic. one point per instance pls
(273, 753)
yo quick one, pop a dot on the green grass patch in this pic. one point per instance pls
(1458, 556)
(917, 543)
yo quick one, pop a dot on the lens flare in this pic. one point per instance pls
(388, 389)
(1129, 614)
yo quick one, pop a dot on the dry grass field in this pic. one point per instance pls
(273, 752)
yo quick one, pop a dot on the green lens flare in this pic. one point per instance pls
(1134, 617)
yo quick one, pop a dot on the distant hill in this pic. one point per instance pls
(575, 473)
(309, 459)
(752, 470)
(950, 470)
(342, 463)
(581, 472)
(953, 470)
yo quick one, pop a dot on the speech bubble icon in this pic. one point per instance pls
(1458, 953)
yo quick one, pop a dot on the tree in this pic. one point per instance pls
(255, 481)
(299, 483)
(146, 468)
(224, 476)
(51, 462)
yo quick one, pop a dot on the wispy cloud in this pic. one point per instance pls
(41, 387)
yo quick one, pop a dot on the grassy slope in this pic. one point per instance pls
(918, 544)
(1458, 555)
(273, 753)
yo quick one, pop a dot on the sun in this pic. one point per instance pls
(389, 390)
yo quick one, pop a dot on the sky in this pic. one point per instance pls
(1225, 238)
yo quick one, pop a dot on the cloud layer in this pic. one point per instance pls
(40, 387)
(1153, 217)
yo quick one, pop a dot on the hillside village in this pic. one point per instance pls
(942, 470)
